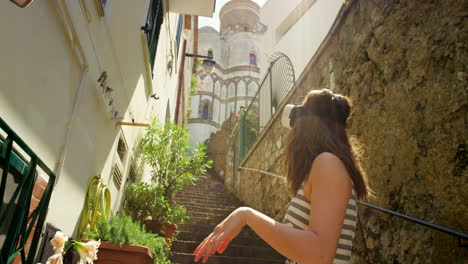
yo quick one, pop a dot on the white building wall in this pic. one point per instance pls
(224, 92)
(217, 89)
(222, 113)
(40, 77)
(242, 43)
(195, 106)
(304, 37)
(199, 132)
(208, 84)
(216, 110)
(231, 91)
(241, 89)
(252, 89)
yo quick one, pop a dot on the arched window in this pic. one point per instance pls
(205, 112)
(210, 53)
(253, 58)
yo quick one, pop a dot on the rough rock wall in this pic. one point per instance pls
(217, 146)
(403, 64)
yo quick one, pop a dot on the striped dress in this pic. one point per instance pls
(297, 216)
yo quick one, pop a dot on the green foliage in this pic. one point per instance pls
(174, 163)
(147, 202)
(252, 126)
(194, 84)
(193, 91)
(122, 230)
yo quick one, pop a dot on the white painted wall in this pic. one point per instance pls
(241, 44)
(199, 132)
(40, 76)
(304, 37)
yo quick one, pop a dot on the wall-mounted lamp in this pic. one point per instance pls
(208, 62)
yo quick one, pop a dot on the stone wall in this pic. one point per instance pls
(217, 147)
(403, 63)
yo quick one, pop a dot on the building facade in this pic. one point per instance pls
(76, 76)
(235, 79)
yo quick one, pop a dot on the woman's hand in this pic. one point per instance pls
(222, 235)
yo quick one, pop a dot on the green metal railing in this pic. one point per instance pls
(277, 82)
(17, 209)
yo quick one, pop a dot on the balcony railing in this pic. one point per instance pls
(21, 163)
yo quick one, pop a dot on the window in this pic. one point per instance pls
(132, 174)
(152, 28)
(101, 6)
(205, 112)
(210, 53)
(117, 177)
(253, 58)
(179, 32)
(121, 149)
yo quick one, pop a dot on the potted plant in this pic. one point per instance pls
(147, 204)
(174, 163)
(126, 241)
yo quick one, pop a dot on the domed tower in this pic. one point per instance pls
(234, 82)
(239, 21)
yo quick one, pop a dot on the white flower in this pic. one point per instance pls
(88, 251)
(55, 259)
(58, 242)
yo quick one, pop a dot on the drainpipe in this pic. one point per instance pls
(63, 151)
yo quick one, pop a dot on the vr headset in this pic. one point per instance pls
(286, 119)
(292, 112)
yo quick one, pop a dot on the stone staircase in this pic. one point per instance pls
(207, 205)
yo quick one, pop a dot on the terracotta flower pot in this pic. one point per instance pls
(166, 229)
(127, 254)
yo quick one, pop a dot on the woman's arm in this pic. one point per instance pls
(331, 190)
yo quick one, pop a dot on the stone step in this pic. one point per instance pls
(244, 238)
(215, 211)
(207, 201)
(204, 214)
(184, 258)
(204, 220)
(206, 196)
(233, 250)
(210, 206)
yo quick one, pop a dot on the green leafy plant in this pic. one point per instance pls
(147, 202)
(121, 230)
(193, 91)
(173, 161)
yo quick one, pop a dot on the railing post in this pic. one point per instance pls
(5, 159)
(243, 131)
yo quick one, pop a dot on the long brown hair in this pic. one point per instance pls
(323, 131)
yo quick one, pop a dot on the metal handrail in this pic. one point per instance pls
(416, 220)
(461, 236)
(22, 227)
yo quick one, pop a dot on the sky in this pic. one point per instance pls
(214, 21)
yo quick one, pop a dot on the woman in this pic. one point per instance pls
(325, 179)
